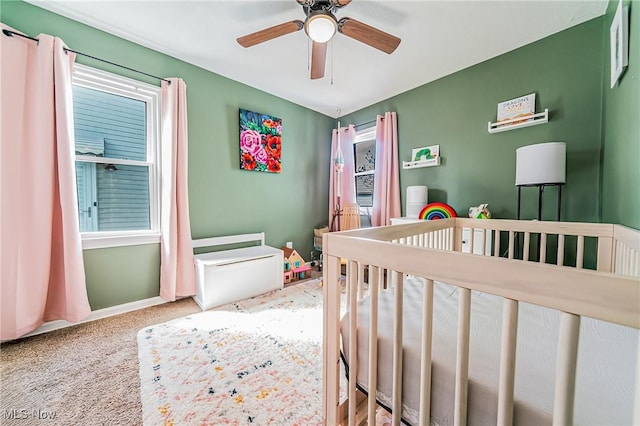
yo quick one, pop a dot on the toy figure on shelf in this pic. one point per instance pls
(480, 212)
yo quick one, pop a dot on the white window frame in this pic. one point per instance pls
(364, 135)
(93, 78)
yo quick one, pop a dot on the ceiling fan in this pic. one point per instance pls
(321, 25)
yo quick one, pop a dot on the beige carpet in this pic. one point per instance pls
(83, 375)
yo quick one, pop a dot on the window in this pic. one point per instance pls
(116, 123)
(364, 154)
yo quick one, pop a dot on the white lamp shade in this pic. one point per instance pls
(542, 163)
(321, 27)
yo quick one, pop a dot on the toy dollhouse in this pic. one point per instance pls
(295, 267)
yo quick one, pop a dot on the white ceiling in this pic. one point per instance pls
(438, 38)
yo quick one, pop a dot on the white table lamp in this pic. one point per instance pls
(540, 165)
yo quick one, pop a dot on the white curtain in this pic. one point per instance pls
(177, 274)
(42, 272)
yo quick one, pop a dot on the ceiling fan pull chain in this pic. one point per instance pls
(308, 54)
(332, 62)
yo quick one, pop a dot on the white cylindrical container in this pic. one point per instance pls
(416, 200)
(541, 163)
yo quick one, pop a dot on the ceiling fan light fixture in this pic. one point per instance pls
(321, 26)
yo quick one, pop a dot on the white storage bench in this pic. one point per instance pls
(230, 275)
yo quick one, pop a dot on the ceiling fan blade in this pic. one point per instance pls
(368, 35)
(340, 3)
(270, 33)
(318, 60)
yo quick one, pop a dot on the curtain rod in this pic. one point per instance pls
(367, 122)
(9, 33)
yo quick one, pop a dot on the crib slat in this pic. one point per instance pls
(566, 369)
(425, 365)
(397, 350)
(580, 252)
(360, 281)
(525, 251)
(560, 258)
(462, 357)
(484, 242)
(472, 234)
(507, 361)
(543, 247)
(331, 338)
(496, 243)
(511, 243)
(375, 275)
(605, 254)
(352, 281)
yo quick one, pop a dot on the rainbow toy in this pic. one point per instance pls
(434, 211)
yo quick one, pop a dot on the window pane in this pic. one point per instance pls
(365, 156)
(364, 190)
(109, 125)
(112, 197)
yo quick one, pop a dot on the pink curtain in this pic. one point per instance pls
(386, 191)
(42, 270)
(177, 274)
(346, 180)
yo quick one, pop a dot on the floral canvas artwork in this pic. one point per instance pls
(260, 142)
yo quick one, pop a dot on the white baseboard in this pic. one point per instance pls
(99, 314)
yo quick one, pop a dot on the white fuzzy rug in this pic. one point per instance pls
(257, 361)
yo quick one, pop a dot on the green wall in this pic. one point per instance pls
(568, 72)
(223, 199)
(565, 72)
(621, 130)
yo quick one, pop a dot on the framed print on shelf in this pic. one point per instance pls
(425, 153)
(619, 40)
(523, 106)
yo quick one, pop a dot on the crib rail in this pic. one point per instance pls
(432, 250)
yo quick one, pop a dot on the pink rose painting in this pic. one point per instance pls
(260, 142)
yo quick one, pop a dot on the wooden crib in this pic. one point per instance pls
(575, 269)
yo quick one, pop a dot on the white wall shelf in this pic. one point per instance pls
(421, 163)
(534, 120)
